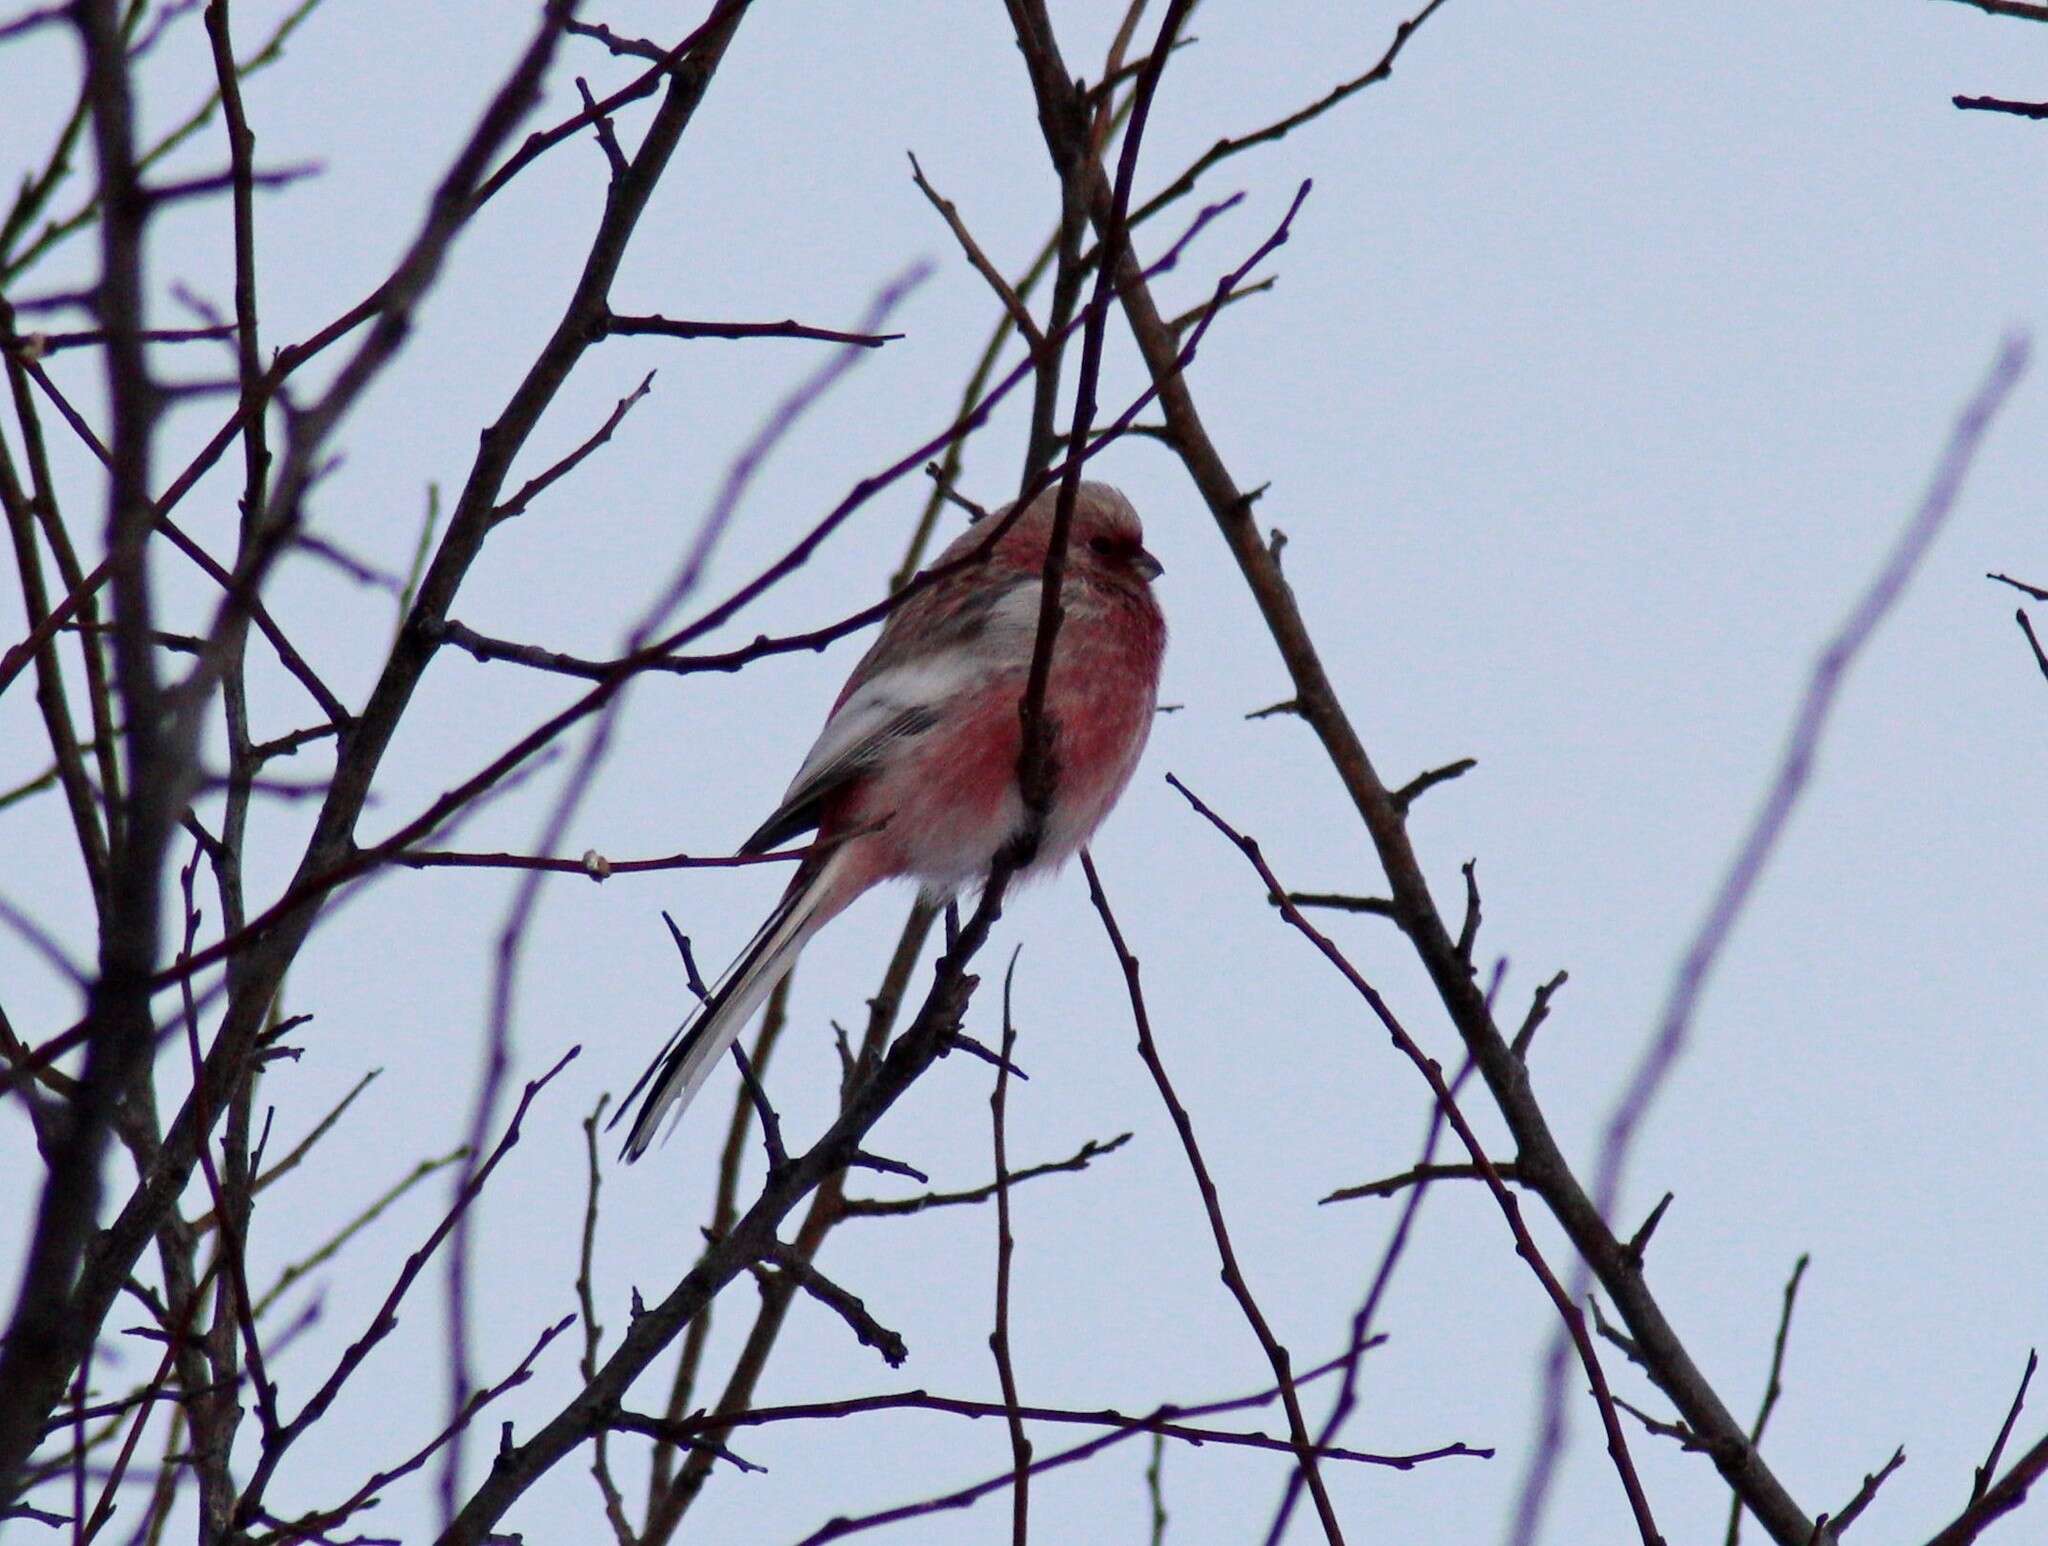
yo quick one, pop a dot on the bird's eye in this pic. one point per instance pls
(1102, 545)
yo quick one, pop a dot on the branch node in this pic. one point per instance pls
(1864, 1494)
(1422, 783)
(1632, 1253)
(1989, 1468)
(607, 137)
(960, 1041)
(861, 1159)
(1336, 901)
(1285, 706)
(771, 1124)
(871, 1332)
(1539, 1011)
(690, 972)
(1468, 931)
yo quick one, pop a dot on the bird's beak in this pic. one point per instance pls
(1150, 567)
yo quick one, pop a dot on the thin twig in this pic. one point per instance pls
(1985, 1472)
(892, 1207)
(2035, 110)
(964, 1497)
(1406, 796)
(1338, 901)
(1525, 1244)
(385, 1320)
(2001, 1498)
(292, 1160)
(1019, 313)
(674, 327)
(601, 121)
(999, 1338)
(593, 1333)
(535, 486)
(2027, 627)
(332, 1246)
(842, 1302)
(2034, 591)
(1866, 1494)
(1773, 1388)
(1746, 869)
(1424, 1175)
(1233, 1276)
(591, 866)
(1539, 1011)
(1164, 1421)
(1225, 148)
(315, 1525)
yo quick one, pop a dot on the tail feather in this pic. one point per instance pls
(694, 1050)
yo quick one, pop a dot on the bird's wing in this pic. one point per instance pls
(900, 690)
(843, 753)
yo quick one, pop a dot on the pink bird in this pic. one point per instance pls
(918, 758)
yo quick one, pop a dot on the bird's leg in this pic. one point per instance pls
(952, 923)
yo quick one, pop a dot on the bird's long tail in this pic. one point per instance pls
(694, 1050)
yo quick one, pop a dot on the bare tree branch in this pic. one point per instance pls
(1233, 1275)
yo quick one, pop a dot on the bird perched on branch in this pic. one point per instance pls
(915, 771)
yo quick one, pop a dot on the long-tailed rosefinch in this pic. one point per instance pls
(918, 758)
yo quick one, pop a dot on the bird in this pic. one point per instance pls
(915, 771)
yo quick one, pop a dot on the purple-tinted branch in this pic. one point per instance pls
(1795, 767)
(840, 1301)
(29, 21)
(620, 47)
(1788, 784)
(1865, 1494)
(601, 121)
(591, 866)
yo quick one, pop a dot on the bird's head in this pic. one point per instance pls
(1106, 540)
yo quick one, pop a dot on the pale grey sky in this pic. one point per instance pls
(1611, 349)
